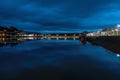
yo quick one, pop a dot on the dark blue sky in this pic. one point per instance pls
(59, 15)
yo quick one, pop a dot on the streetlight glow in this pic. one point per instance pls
(118, 25)
(118, 55)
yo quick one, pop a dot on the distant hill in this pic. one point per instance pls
(9, 29)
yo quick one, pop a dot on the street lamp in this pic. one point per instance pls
(118, 55)
(118, 25)
(113, 32)
(116, 31)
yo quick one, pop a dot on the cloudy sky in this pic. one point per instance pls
(59, 15)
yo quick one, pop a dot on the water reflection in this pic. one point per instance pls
(110, 46)
(55, 60)
(15, 41)
(19, 40)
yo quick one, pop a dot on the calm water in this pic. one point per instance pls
(58, 60)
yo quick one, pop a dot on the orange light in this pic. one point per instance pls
(3, 34)
(3, 39)
(5, 30)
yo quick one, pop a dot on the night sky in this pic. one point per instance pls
(59, 15)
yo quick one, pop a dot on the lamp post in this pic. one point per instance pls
(113, 32)
(116, 32)
(118, 27)
(100, 32)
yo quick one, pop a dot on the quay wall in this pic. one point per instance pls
(111, 43)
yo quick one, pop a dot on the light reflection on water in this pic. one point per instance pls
(58, 60)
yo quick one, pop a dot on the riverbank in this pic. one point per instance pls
(108, 42)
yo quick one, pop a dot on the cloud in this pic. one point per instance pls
(58, 14)
(110, 15)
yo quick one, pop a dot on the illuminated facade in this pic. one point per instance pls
(114, 31)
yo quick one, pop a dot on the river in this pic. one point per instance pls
(58, 60)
